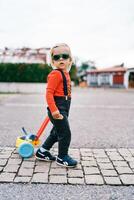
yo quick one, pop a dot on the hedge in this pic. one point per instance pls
(22, 72)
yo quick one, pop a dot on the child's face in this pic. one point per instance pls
(61, 57)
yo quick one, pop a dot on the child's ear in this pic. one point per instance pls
(71, 61)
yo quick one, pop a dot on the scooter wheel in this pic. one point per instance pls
(26, 150)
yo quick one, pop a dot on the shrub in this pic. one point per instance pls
(22, 72)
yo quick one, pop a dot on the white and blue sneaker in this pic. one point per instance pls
(66, 161)
(46, 156)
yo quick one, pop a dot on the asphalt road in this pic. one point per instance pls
(99, 118)
(64, 192)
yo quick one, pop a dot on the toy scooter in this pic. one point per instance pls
(26, 143)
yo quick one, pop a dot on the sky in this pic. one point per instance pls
(98, 30)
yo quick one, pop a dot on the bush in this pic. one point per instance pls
(22, 72)
(73, 74)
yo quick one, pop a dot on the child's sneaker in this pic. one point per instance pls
(46, 156)
(66, 161)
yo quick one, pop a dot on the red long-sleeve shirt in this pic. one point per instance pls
(55, 88)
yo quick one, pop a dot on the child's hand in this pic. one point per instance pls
(60, 116)
(57, 115)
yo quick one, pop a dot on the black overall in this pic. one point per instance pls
(60, 132)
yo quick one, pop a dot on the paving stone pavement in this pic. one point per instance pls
(95, 167)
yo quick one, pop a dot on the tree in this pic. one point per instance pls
(73, 74)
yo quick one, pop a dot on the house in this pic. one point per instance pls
(24, 55)
(129, 78)
(117, 76)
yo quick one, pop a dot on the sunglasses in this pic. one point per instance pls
(58, 56)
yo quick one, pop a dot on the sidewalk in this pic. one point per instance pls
(96, 167)
(22, 87)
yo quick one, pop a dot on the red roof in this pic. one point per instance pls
(109, 69)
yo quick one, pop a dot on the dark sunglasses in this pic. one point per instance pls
(58, 56)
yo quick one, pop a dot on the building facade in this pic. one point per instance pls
(24, 55)
(117, 76)
(129, 78)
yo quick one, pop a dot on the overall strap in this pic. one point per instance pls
(64, 83)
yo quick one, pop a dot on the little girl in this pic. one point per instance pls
(58, 97)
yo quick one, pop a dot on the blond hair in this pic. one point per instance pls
(60, 45)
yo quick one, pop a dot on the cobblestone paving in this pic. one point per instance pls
(95, 167)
